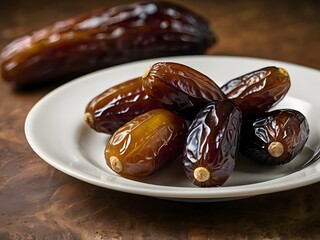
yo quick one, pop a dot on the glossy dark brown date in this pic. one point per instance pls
(258, 91)
(180, 88)
(146, 143)
(118, 105)
(103, 38)
(276, 137)
(212, 144)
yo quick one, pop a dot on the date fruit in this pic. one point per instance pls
(143, 145)
(258, 91)
(118, 105)
(212, 144)
(274, 138)
(180, 88)
(103, 38)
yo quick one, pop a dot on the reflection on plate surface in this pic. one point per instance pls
(57, 133)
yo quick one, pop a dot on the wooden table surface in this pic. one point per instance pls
(39, 202)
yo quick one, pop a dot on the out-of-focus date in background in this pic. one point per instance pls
(264, 29)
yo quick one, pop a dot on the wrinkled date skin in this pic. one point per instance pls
(146, 143)
(275, 138)
(212, 144)
(103, 38)
(180, 88)
(258, 91)
(118, 105)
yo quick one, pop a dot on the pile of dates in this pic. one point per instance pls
(174, 112)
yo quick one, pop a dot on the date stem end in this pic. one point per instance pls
(88, 119)
(116, 164)
(146, 72)
(284, 72)
(276, 149)
(201, 174)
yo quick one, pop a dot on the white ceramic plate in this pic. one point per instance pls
(57, 133)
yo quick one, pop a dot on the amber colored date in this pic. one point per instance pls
(180, 88)
(276, 137)
(103, 38)
(118, 105)
(146, 143)
(212, 144)
(258, 91)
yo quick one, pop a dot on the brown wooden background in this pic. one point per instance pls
(39, 202)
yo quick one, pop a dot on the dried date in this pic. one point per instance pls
(180, 88)
(258, 91)
(118, 105)
(212, 144)
(103, 38)
(146, 143)
(276, 137)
